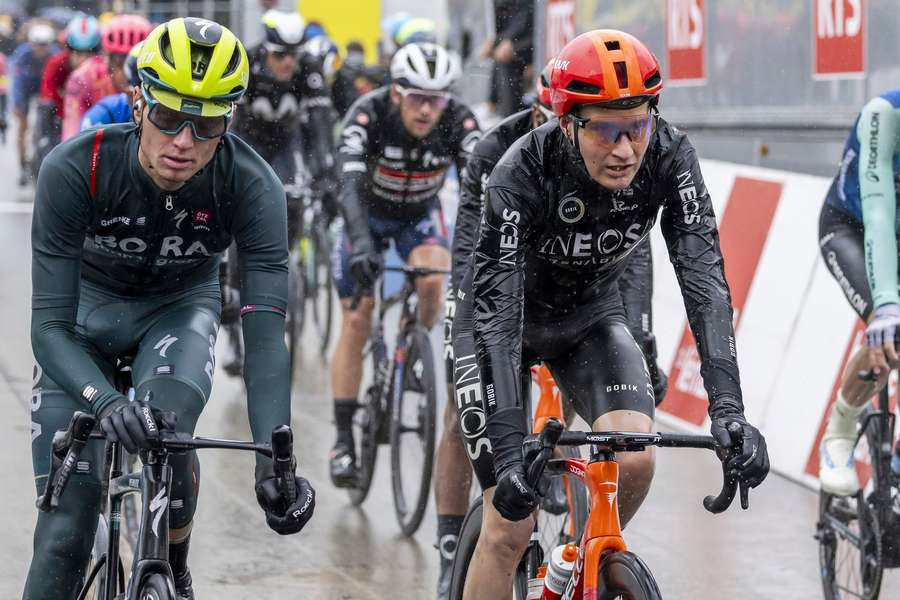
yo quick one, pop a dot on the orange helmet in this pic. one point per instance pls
(542, 86)
(603, 66)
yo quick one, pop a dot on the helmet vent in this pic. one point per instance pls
(653, 80)
(582, 87)
(165, 45)
(612, 45)
(621, 73)
(233, 63)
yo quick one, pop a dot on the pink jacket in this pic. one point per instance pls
(86, 86)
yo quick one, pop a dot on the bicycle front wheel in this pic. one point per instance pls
(849, 548)
(156, 587)
(413, 431)
(624, 576)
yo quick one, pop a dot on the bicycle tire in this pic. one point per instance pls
(321, 288)
(418, 378)
(880, 440)
(156, 587)
(836, 518)
(623, 575)
(96, 589)
(365, 423)
(465, 548)
(296, 309)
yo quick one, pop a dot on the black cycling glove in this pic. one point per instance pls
(281, 517)
(132, 424)
(752, 464)
(514, 499)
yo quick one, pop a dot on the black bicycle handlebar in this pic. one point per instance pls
(411, 273)
(539, 448)
(67, 446)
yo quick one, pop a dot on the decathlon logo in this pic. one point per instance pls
(571, 210)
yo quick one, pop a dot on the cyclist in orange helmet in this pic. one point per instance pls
(564, 209)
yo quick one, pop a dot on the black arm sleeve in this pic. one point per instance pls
(692, 238)
(352, 160)
(317, 106)
(260, 230)
(498, 293)
(61, 216)
(468, 216)
(636, 287)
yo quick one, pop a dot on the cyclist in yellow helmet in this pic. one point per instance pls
(130, 220)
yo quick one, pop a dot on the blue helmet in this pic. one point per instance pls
(83, 33)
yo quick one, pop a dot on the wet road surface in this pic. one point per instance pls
(348, 553)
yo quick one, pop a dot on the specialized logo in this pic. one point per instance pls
(158, 508)
(179, 217)
(164, 344)
(571, 210)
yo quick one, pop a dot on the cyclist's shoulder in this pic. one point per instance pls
(245, 171)
(531, 159)
(501, 136)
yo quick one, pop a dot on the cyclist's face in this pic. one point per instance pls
(612, 142)
(420, 112)
(170, 160)
(282, 64)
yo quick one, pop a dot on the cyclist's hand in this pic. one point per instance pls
(132, 424)
(282, 518)
(751, 465)
(514, 499)
(880, 336)
(365, 266)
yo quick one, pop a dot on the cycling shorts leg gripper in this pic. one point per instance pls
(175, 362)
(63, 538)
(449, 312)
(467, 394)
(604, 372)
(842, 247)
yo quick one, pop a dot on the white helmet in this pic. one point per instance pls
(424, 66)
(284, 30)
(41, 33)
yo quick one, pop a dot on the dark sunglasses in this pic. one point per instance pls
(171, 122)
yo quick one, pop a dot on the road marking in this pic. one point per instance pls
(21, 208)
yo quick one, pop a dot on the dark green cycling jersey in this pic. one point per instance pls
(99, 217)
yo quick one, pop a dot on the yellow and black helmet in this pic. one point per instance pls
(194, 66)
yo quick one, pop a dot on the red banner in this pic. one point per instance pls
(839, 38)
(560, 27)
(743, 232)
(686, 40)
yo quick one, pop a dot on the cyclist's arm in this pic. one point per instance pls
(353, 170)
(498, 294)
(316, 103)
(692, 238)
(636, 287)
(468, 216)
(61, 216)
(260, 232)
(877, 130)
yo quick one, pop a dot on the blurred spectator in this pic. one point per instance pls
(512, 51)
(354, 78)
(26, 66)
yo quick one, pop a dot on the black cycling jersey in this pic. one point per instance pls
(553, 241)
(271, 113)
(386, 170)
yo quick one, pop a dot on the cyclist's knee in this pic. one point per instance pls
(637, 469)
(503, 539)
(185, 489)
(451, 420)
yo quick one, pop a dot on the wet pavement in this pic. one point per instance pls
(348, 553)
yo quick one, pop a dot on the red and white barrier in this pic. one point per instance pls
(794, 329)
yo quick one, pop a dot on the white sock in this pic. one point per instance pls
(842, 420)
